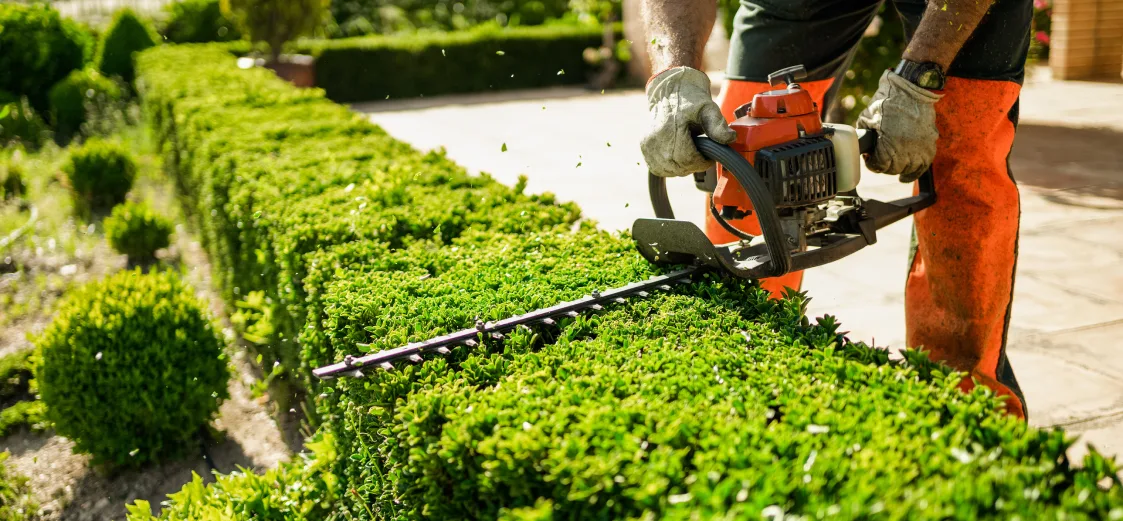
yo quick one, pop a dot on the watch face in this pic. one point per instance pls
(929, 79)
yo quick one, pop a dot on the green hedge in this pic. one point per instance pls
(713, 402)
(362, 17)
(427, 64)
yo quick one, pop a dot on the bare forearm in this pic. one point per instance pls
(945, 27)
(677, 31)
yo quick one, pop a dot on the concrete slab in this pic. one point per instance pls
(1087, 393)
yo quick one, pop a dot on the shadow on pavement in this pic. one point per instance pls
(1076, 162)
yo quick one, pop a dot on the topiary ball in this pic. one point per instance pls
(73, 98)
(131, 368)
(11, 184)
(126, 35)
(20, 124)
(37, 49)
(137, 231)
(100, 174)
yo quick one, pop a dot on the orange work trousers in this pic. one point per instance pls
(960, 283)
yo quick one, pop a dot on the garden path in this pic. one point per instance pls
(1068, 307)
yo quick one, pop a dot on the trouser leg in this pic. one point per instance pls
(959, 291)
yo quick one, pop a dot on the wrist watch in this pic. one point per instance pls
(927, 75)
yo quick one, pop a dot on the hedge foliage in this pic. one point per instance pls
(100, 173)
(127, 35)
(37, 49)
(711, 402)
(136, 231)
(132, 368)
(198, 21)
(483, 58)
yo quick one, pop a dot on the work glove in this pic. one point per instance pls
(904, 116)
(681, 107)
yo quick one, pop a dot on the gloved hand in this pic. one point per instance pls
(680, 105)
(904, 116)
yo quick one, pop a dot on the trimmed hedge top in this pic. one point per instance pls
(711, 402)
(484, 58)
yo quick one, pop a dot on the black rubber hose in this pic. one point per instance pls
(747, 177)
(660, 201)
(763, 206)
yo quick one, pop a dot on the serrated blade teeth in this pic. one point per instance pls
(415, 358)
(443, 350)
(497, 335)
(596, 307)
(642, 294)
(387, 366)
(665, 287)
(619, 300)
(471, 343)
(549, 321)
(571, 314)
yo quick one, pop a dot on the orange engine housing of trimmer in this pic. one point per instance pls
(772, 118)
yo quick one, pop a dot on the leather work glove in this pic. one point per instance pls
(681, 107)
(904, 116)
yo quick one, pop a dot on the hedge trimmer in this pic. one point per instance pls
(797, 175)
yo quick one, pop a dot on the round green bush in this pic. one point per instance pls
(81, 93)
(198, 21)
(20, 123)
(100, 174)
(126, 35)
(37, 49)
(11, 184)
(131, 368)
(135, 230)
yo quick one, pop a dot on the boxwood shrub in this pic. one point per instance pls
(136, 231)
(708, 402)
(20, 123)
(83, 93)
(132, 368)
(127, 35)
(100, 173)
(37, 49)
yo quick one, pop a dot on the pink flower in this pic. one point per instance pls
(1042, 37)
(1040, 4)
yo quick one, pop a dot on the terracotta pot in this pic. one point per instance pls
(298, 69)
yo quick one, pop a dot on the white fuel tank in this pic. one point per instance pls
(848, 161)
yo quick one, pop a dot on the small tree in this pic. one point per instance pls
(126, 36)
(275, 22)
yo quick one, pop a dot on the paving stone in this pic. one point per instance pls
(1059, 391)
